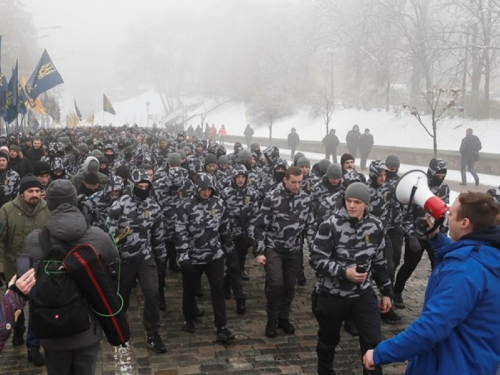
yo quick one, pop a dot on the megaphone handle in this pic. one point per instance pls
(410, 201)
(436, 225)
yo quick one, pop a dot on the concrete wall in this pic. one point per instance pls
(489, 163)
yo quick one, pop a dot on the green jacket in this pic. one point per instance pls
(16, 222)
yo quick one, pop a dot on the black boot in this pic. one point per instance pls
(241, 306)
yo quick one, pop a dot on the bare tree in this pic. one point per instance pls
(440, 103)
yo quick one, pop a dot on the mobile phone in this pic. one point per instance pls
(23, 264)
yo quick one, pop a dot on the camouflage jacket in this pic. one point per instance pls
(342, 242)
(202, 230)
(320, 191)
(171, 192)
(145, 220)
(223, 178)
(308, 182)
(254, 178)
(242, 205)
(10, 183)
(282, 219)
(329, 206)
(383, 203)
(397, 213)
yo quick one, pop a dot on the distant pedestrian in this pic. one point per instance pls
(365, 147)
(293, 142)
(331, 142)
(469, 149)
(248, 135)
(352, 140)
(222, 134)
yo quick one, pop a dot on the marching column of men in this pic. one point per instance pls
(184, 203)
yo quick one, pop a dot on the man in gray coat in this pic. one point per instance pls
(75, 354)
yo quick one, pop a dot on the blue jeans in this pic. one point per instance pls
(469, 164)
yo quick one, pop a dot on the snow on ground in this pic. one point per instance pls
(388, 129)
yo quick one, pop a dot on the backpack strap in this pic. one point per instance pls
(46, 244)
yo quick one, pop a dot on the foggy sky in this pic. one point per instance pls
(82, 38)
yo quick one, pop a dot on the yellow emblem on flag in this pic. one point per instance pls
(45, 70)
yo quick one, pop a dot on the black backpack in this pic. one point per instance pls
(60, 307)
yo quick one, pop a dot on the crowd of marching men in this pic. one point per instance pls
(185, 204)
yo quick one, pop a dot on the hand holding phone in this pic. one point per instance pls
(23, 264)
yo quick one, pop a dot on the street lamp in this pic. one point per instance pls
(147, 114)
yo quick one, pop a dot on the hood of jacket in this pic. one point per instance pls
(488, 255)
(66, 223)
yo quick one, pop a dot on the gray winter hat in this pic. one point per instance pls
(245, 156)
(324, 164)
(303, 161)
(392, 161)
(223, 159)
(358, 190)
(174, 159)
(334, 171)
(60, 191)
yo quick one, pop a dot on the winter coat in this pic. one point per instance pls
(331, 142)
(34, 155)
(470, 147)
(202, 230)
(145, 219)
(293, 140)
(282, 219)
(352, 139)
(12, 303)
(21, 165)
(365, 143)
(342, 242)
(67, 223)
(457, 330)
(16, 223)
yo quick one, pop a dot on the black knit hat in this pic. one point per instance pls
(28, 182)
(4, 155)
(40, 168)
(59, 192)
(344, 158)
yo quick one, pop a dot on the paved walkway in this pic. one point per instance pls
(251, 353)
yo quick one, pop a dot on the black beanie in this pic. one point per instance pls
(28, 182)
(344, 158)
(60, 191)
(392, 161)
(4, 155)
(91, 178)
(40, 168)
(211, 159)
(123, 171)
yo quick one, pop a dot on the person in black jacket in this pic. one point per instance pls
(293, 141)
(469, 149)
(331, 142)
(35, 152)
(18, 162)
(352, 140)
(365, 146)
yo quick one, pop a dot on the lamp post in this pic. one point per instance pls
(147, 114)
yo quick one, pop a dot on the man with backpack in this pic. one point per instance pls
(66, 228)
(28, 211)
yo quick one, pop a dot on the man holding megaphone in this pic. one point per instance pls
(419, 192)
(457, 331)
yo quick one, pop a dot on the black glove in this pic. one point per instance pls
(414, 244)
(187, 266)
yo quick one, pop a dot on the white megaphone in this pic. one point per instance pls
(413, 187)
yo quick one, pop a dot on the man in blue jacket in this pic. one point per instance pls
(457, 331)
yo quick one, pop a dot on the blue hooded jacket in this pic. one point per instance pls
(458, 331)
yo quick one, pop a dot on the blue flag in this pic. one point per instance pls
(107, 105)
(11, 99)
(44, 77)
(3, 83)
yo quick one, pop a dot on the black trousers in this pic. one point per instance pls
(330, 311)
(232, 278)
(241, 246)
(147, 275)
(282, 270)
(392, 251)
(72, 362)
(364, 158)
(190, 280)
(411, 260)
